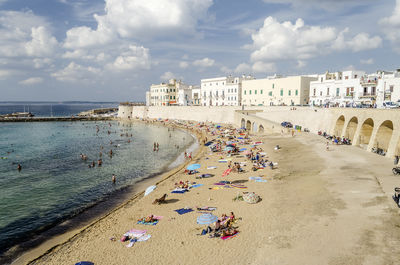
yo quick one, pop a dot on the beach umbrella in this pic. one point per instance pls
(241, 138)
(84, 263)
(230, 145)
(193, 167)
(206, 219)
(251, 197)
(242, 149)
(150, 190)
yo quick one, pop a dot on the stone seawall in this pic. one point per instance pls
(371, 129)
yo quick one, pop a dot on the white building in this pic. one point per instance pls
(188, 96)
(353, 88)
(222, 91)
(166, 94)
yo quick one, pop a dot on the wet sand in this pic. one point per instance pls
(318, 207)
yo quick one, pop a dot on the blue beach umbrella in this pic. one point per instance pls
(84, 263)
(242, 149)
(193, 167)
(206, 219)
(240, 138)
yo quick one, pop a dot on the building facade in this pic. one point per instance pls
(166, 94)
(355, 88)
(277, 91)
(222, 91)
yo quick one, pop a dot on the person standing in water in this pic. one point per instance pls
(19, 167)
(113, 179)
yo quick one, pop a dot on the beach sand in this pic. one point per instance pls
(317, 207)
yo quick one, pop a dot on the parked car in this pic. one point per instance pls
(390, 105)
(287, 124)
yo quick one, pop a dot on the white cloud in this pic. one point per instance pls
(301, 64)
(31, 81)
(42, 62)
(360, 42)
(367, 61)
(167, 76)
(4, 74)
(225, 70)
(24, 34)
(243, 68)
(139, 19)
(183, 64)
(75, 72)
(134, 58)
(390, 26)
(276, 41)
(42, 43)
(261, 67)
(205, 62)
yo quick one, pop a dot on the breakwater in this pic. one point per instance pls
(47, 119)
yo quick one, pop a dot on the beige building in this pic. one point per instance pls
(165, 94)
(293, 90)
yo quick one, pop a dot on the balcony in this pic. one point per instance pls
(367, 95)
(369, 82)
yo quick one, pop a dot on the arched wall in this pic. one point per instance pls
(248, 125)
(384, 135)
(261, 129)
(243, 123)
(351, 128)
(365, 133)
(339, 126)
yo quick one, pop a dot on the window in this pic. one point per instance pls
(281, 92)
(270, 93)
(222, 83)
(273, 85)
(346, 77)
(204, 93)
(322, 79)
(250, 92)
(320, 93)
(255, 92)
(355, 76)
(315, 91)
(297, 92)
(337, 91)
(174, 96)
(327, 91)
(245, 92)
(391, 88)
(261, 91)
(373, 90)
(290, 92)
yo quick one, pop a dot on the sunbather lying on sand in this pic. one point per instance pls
(229, 232)
(147, 219)
(160, 200)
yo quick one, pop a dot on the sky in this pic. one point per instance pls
(113, 50)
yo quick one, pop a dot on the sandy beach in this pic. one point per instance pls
(317, 207)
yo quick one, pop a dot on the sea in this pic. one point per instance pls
(55, 184)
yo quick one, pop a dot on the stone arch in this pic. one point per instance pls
(254, 127)
(243, 123)
(351, 128)
(365, 133)
(261, 129)
(339, 126)
(384, 135)
(248, 125)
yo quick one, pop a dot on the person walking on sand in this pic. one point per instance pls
(113, 179)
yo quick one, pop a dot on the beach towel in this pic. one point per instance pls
(144, 238)
(178, 190)
(206, 208)
(135, 233)
(223, 161)
(196, 185)
(226, 172)
(131, 242)
(238, 186)
(148, 223)
(229, 237)
(183, 211)
(260, 180)
(211, 167)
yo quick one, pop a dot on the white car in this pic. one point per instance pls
(390, 105)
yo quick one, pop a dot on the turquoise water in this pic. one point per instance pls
(55, 183)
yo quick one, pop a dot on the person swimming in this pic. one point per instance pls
(19, 167)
